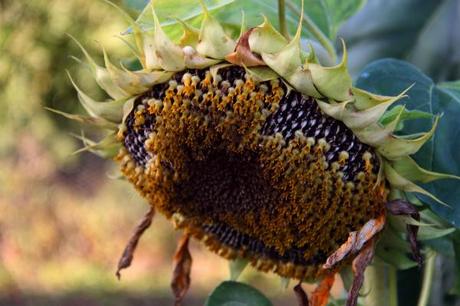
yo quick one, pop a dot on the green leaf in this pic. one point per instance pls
(397, 259)
(427, 233)
(339, 11)
(168, 11)
(441, 153)
(425, 39)
(443, 246)
(391, 115)
(393, 249)
(316, 10)
(328, 15)
(452, 88)
(232, 293)
(137, 5)
(430, 227)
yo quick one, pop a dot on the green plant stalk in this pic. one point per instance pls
(282, 18)
(314, 30)
(428, 273)
(380, 287)
(392, 285)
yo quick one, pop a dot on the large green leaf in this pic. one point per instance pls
(442, 152)
(339, 11)
(423, 32)
(169, 11)
(328, 15)
(137, 5)
(232, 293)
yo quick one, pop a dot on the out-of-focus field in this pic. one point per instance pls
(63, 220)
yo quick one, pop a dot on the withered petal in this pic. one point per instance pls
(360, 263)
(320, 296)
(182, 267)
(356, 240)
(243, 56)
(404, 208)
(128, 253)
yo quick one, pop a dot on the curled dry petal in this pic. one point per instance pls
(342, 251)
(356, 241)
(404, 208)
(360, 263)
(128, 253)
(182, 267)
(320, 296)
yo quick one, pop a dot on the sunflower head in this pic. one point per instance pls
(253, 147)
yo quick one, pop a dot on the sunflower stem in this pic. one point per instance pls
(392, 286)
(428, 275)
(314, 30)
(380, 285)
(282, 18)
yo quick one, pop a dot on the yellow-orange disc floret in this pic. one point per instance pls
(254, 169)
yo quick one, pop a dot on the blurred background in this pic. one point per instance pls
(63, 220)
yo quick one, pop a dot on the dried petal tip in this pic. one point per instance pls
(128, 253)
(404, 208)
(243, 56)
(182, 268)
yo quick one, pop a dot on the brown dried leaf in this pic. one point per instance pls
(243, 56)
(128, 253)
(343, 251)
(182, 268)
(356, 241)
(404, 208)
(320, 296)
(360, 263)
(302, 297)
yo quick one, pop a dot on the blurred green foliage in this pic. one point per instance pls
(35, 53)
(423, 32)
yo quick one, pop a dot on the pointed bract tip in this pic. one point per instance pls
(243, 23)
(122, 12)
(90, 60)
(298, 33)
(344, 60)
(203, 6)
